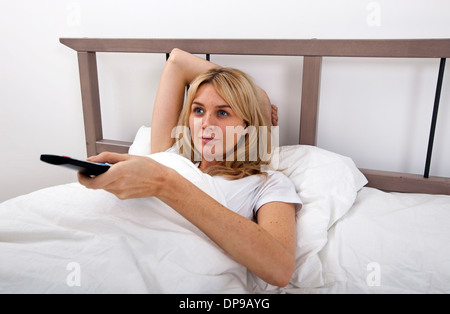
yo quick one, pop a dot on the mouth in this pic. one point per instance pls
(206, 140)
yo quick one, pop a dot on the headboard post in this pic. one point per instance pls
(312, 69)
(87, 62)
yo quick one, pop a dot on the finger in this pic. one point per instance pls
(101, 181)
(89, 182)
(108, 157)
(85, 180)
(275, 121)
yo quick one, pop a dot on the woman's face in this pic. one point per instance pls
(209, 118)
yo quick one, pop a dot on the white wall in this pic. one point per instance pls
(40, 98)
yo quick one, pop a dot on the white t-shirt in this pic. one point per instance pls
(246, 196)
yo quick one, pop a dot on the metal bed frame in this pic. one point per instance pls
(312, 51)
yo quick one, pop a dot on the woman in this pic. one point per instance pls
(218, 98)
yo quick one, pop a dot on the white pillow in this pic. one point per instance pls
(141, 143)
(326, 182)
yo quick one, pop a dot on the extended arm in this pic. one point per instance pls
(267, 248)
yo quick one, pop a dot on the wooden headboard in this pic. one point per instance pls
(313, 51)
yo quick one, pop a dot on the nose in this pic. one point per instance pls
(208, 121)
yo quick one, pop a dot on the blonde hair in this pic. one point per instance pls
(241, 94)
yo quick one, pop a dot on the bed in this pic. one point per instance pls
(359, 231)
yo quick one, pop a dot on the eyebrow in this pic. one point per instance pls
(202, 105)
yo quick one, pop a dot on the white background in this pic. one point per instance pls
(361, 100)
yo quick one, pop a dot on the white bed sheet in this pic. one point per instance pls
(388, 243)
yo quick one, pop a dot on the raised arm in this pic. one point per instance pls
(181, 69)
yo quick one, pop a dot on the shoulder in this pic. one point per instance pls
(271, 180)
(173, 150)
(278, 178)
(278, 187)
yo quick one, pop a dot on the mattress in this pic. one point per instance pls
(388, 243)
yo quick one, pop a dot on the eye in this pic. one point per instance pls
(223, 113)
(197, 110)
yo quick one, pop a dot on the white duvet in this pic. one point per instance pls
(68, 239)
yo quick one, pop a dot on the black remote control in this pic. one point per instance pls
(85, 167)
